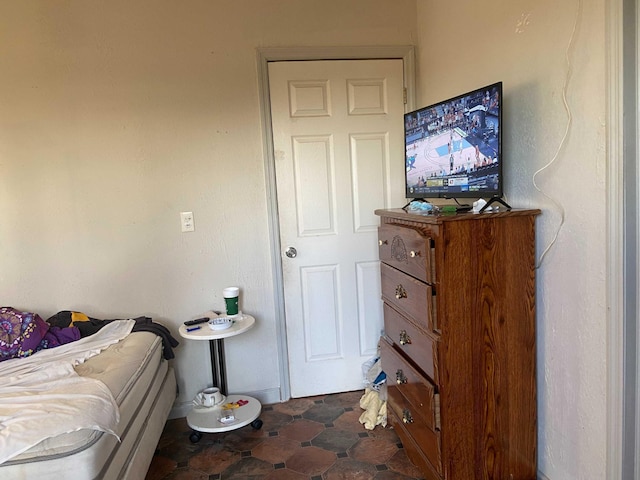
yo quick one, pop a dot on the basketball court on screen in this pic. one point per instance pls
(446, 154)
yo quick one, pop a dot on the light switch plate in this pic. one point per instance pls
(186, 221)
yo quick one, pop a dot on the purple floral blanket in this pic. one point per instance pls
(24, 333)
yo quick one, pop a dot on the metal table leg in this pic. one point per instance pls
(218, 368)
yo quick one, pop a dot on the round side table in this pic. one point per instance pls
(245, 410)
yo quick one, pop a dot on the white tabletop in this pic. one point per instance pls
(207, 419)
(240, 325)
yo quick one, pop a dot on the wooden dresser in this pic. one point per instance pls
(459, 348)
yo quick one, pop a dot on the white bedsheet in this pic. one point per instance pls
(42, 396)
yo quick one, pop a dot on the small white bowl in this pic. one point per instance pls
(220, 323)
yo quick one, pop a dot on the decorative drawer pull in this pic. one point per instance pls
(400, 377)
(413, 254)
(405, 339)
(383, 242)
(400, 292)
(406, 416)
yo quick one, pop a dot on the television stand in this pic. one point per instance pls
(494, 200)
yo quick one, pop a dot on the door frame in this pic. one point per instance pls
(406, 53)
(623, 225)
(615, 247)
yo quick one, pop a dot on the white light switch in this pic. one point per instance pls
(186, 221)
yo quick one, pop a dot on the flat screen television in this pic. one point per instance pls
(453, 148)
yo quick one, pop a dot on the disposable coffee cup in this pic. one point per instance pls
(230, 295)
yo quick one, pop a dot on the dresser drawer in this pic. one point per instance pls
(427, 440)
(402, 400)
(411, 297)
(408, 387)
(414, 452)
(407, 250)
(420, 347)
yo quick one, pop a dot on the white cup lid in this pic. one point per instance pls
(230, 292)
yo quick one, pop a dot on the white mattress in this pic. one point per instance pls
(138, 377)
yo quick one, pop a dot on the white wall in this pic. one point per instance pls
(523, 43)
(116, 116)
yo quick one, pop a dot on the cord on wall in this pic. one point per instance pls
(564, 137)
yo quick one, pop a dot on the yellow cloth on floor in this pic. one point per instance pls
(375, 410)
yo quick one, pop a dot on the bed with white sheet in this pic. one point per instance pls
(90, 409)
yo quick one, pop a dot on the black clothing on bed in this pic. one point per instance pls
(88, 326)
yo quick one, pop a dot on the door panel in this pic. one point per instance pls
(314, 185)
(321, 320)
(369, 152)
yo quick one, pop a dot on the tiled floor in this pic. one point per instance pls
(318, 438)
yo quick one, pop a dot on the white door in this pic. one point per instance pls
(338, 147)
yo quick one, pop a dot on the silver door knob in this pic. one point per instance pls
(291, 252)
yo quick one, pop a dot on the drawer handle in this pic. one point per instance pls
(406, 416)
(400, 292)
(383, 242)
(405, 339)
(400, 377)
(414, 254)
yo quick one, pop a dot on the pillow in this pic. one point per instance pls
(20, 333)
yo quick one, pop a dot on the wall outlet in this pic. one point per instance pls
(186, 221)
